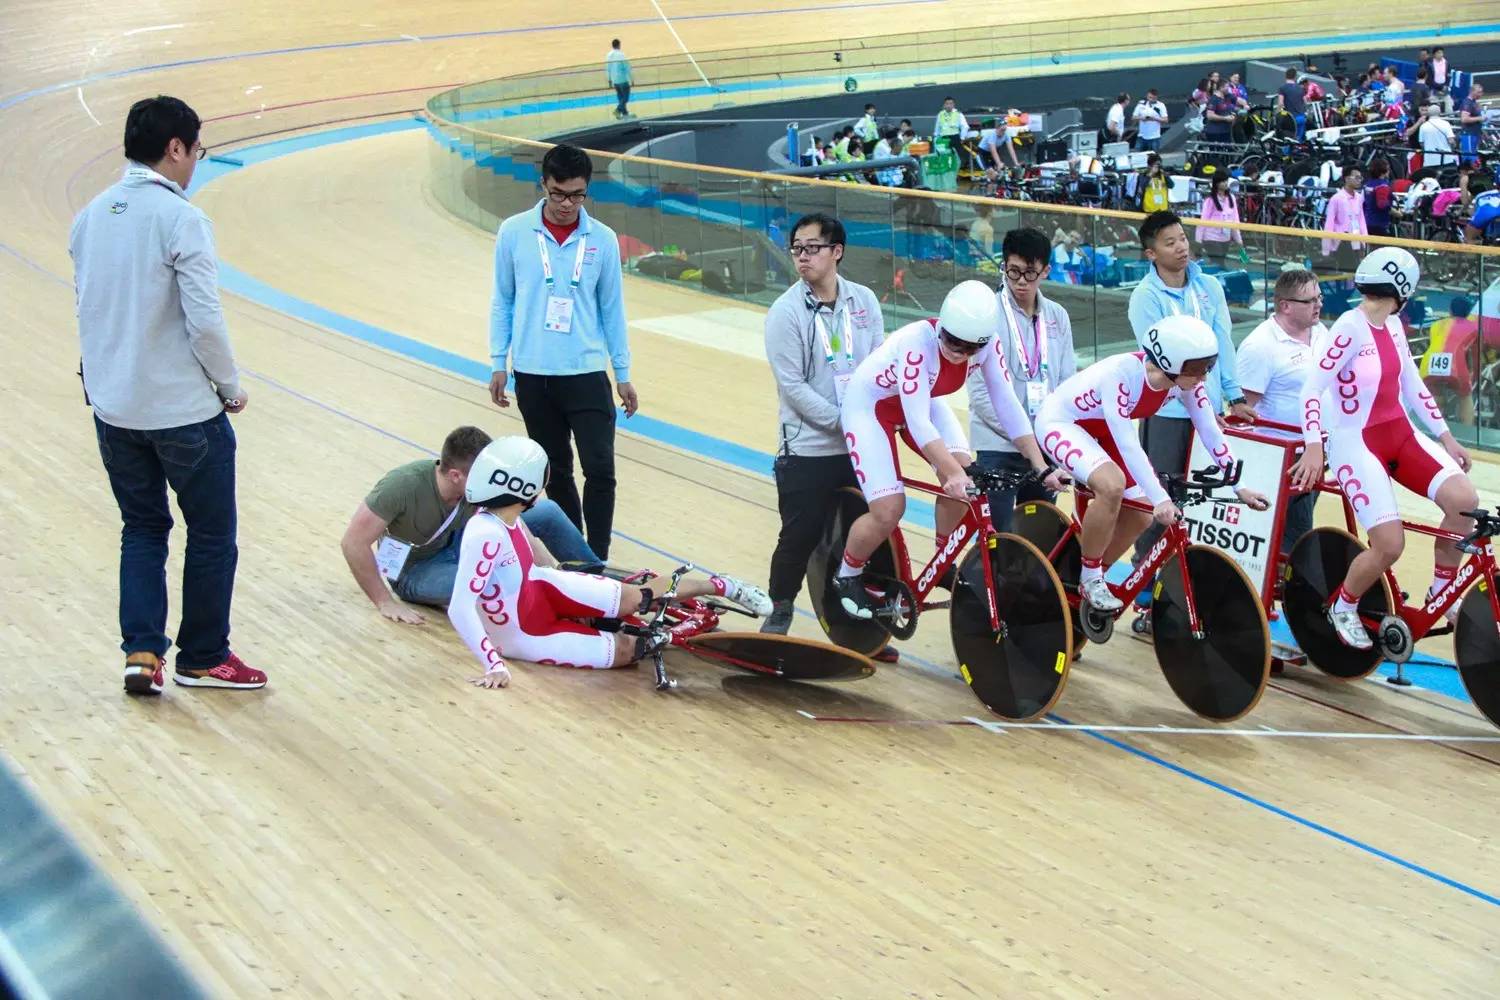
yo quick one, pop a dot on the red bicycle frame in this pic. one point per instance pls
(1173, 540)
(974, 524)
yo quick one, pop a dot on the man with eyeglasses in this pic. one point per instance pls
(159, 372)
(817, 333)
(1272, 364)
(1036, 339)
(558, 316)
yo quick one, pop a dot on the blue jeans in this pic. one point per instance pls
(430, 581)
(197, 461)
(1143, 145)
(1301, 121)
(622, 92)
(1003, 502)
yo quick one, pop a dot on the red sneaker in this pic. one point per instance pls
(887, 655)
(232, 673)
(143, 673)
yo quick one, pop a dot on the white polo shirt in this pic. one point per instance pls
(1274, 363)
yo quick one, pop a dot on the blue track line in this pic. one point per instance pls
(1286, 814)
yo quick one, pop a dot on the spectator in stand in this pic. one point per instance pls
(1470, 125)
(867, 128)
(1439, 80)
(1114, 121)
(1200, 94)
(841, 144)
(1378, 198)
(1424, 60)
(953, 126)
(819, 151)
(1311, 90)
(1149, 116)
(1218, 117)
(905, 127)
(888, 146)
(1291, 98)
(1435, 140)
(1239, 92)
(1154, 186)
(1395, 90)
(907, 138)
(1219, 206)
(1421, 92)
(1346, 214)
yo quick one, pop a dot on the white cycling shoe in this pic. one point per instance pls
(747, 596)
(1096, 591)
(1351, 631)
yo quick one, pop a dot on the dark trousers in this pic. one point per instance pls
(1003, 502)
(1167, 441)
(804, 491)
(561, 411)
(622, 91)
(1299, 519)
(197, 461)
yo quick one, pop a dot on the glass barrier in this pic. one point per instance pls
(726, 231)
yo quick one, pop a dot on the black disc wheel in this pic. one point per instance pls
(1476, 646)
(1043, 524)
(866, 637)
(1221, 674)
(1019, 672)
(1317, 567)
(781, 656)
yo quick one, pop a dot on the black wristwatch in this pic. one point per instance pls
(1237, 401)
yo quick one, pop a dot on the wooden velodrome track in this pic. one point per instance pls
(372, 826)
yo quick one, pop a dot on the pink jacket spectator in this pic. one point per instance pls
(1346, 214)
(1230, 212)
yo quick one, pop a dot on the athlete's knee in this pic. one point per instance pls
(887, 511)
(1107, 483)
(1387, 542)
(1457, 495)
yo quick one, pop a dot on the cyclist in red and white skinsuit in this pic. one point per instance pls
(1358, 392)
(898, 388)
(1087, 427)
(509, 599)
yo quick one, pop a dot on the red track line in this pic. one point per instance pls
(1377, 722)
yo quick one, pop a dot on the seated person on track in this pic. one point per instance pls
(898, 388)
(1086, 426)
(1358, 392)
(508, 600)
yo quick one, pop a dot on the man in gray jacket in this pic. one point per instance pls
(817, 333)
(1037, 338)
(159, 372)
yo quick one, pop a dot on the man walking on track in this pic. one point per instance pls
(160, 374)
(617, 70)
(557, 314)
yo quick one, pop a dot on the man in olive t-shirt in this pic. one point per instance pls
(415, 516)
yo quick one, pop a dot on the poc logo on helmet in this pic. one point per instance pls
(1157, 354)
(513, 484)
(1398, 278)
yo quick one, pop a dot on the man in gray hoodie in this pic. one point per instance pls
(817, 333)
(160, 374)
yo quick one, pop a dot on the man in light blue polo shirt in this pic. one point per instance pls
(558, 316)
(1177, 286)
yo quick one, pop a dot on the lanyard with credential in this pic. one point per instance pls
(444, 526)
(1031, 370)
(840, 339)
(541, 246)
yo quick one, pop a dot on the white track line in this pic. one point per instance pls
(86, 110)
(154, 27)
(992, 726)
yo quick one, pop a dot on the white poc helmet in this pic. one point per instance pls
(970, 313)
(1389, 271)
(1182, 345)
(509, 470)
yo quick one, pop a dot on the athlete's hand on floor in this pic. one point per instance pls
(398, 612)
(497, 678)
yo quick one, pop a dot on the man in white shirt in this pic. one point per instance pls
(1114, 122)
(159, 372)
(867, 128)
(1150, 115)
(1272, 365)
(1436, 139)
